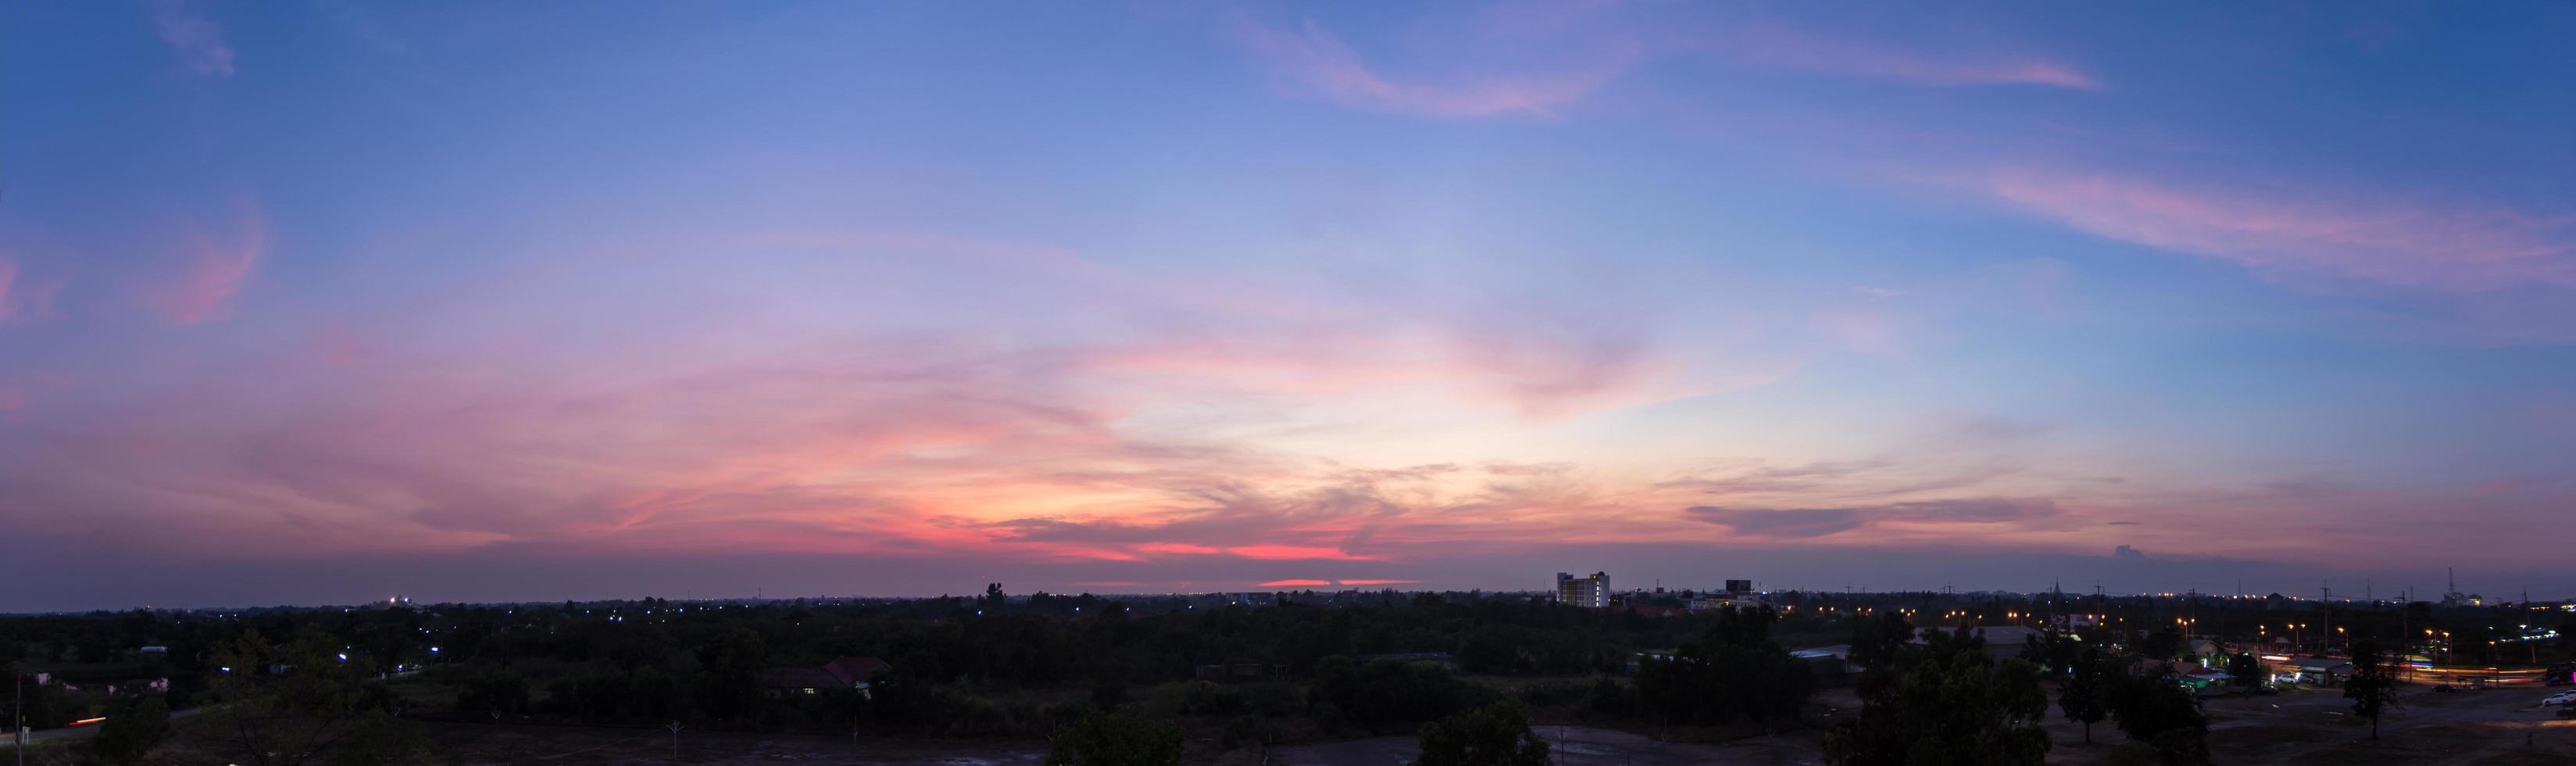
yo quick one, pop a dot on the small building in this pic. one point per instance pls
(1592, 592)
(1830, 665)
(841, 674)
(787, 683)
(2323, 671)
(2206, 680)
(856, 672)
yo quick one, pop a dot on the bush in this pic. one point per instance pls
(1610, 698)
(1551, 693)
(1497, 735)
(1208, 698)
(1087, 737)
(1388, 692)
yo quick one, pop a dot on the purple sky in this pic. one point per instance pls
(306, 303)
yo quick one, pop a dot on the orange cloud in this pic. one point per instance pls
(1291, 552)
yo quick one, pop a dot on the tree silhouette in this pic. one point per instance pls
(2081, 698)
(2371, 688)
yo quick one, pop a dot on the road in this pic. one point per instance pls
(76, 732)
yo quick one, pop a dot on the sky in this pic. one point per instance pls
(319, 303)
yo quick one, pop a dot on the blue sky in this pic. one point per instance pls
(1187, 296)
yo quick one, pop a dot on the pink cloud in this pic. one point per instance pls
(214, 273)
(1291, 552)
(1180, 548)
(1315, 62)
(480, 422)
(1377, 582)
(1792, 49)
(198, 40)
(1296, 583)
(2355, 235)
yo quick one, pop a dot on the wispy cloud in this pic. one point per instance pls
(1777, 46)
(8, 280)
(214, 270)
(2286, 229)
(1801, 523)
(1314, 62)
(198, 40)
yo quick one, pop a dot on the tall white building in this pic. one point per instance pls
(1588, 592)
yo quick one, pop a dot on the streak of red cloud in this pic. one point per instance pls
(1377, 582)
(215, 271)
(1289, 552)
(2360, 236)
(1296, 583)
(1179, 548)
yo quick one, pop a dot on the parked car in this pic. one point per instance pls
(2267, 689)
(2445, 688)
(2560, 698)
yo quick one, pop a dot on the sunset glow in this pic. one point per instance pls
(509, 302)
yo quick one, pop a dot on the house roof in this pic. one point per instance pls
(856, 670)
(2001, 640)
(799, 678)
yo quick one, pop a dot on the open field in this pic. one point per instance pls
(2303, 726)
(2316, 726)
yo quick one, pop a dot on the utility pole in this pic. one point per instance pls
(2325, 603)
(18, 726)
(675, 741)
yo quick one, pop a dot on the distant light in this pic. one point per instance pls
(433, 650)
(344, 658)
